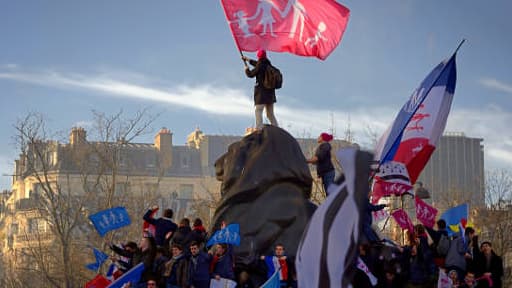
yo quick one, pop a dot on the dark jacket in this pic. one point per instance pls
(494, 265)
(198, 235)
(182, 237)
(323, 154)
(176, 271)
(199, 267)
(147, 257)
(262, 95)
(371, 236)
(162, 227)
(416, 267)
(125, 265)
(223, 266)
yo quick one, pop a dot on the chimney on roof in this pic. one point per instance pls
(77, 136)
(163, 143)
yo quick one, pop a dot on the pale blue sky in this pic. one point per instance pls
(65, 58)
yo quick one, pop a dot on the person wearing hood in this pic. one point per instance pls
(264, 98)
(322, 160)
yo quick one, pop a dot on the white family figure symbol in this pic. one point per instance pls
(313, 41)
(425, 213)
(299, 13)
(267, 20)
(243, 23)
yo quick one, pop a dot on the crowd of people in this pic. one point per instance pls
(175, 255)
(428, 253)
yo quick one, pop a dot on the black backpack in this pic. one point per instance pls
(273, 78)
(443, 246)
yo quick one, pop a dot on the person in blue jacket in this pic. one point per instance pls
(199, 266)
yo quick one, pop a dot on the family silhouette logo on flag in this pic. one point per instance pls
(302, 27)
(110, 219)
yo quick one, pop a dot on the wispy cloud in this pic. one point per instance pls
(496, 85)
(488, 122)
(214, 100)
(200, 97)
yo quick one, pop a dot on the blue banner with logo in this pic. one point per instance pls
(228, 235)
(110, 219)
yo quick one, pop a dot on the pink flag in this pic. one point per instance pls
(391, 179)
(443, 281)
(425, 213)
(403, 219)
(302, 27)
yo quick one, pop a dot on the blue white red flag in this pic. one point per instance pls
(229, 235)
(100, 257)
(413, 136)
(110, 219)
(273, 281)
(98, 282)
(131, 276)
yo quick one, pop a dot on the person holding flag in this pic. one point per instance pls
(279, 262)
(264, 98)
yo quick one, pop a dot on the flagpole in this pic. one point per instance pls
(458, 47)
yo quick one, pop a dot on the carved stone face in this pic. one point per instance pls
(266, 185)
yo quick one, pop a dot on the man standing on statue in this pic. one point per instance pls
(264, 98)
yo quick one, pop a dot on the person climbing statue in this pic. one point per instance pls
(322, 160)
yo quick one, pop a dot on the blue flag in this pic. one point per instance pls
(133, 276)
(110, 219)
(228, 235)
(273, 281)
(100, 258)
(454, 216)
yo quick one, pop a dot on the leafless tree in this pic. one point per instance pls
(55, 203)
(62, 202)
(496, 220)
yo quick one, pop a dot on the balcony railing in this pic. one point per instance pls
(37, 236)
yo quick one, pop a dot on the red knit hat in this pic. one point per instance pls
(261, 54)
(326, 137)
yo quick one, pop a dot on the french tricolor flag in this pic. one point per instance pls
(413, 136)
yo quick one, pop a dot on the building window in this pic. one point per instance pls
(14, 229)
(36, 225)
(151, 161)
(186, 191)
(151, 188)
(122, 188)
(185, 161)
